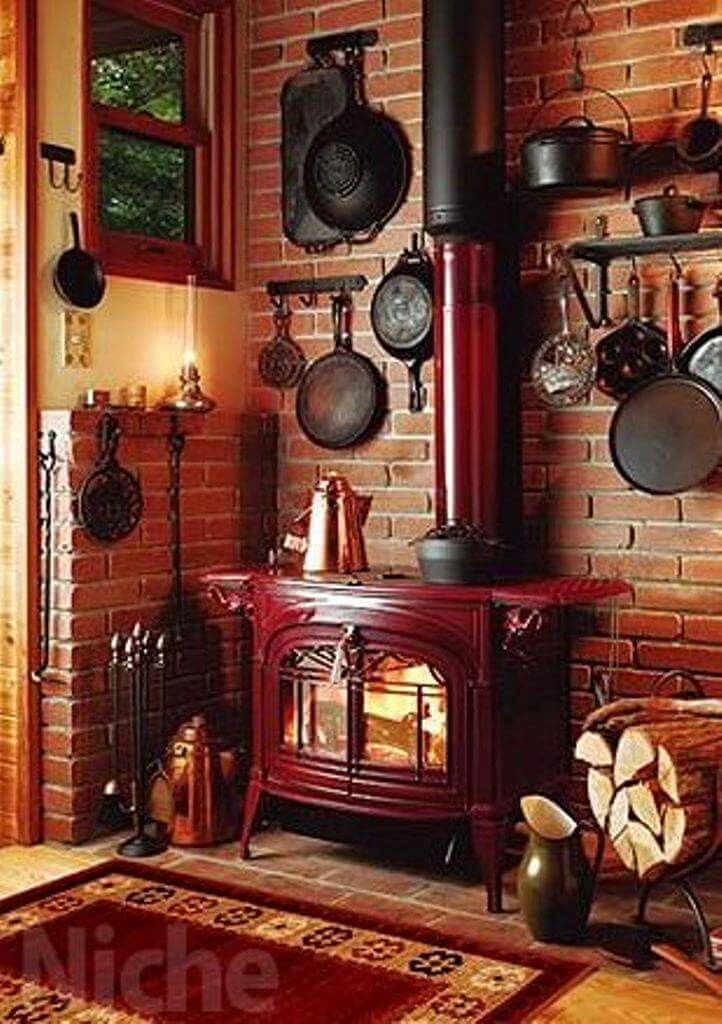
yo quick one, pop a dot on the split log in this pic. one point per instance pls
(644, 806)
(618, 814)
(593, 749)
(652, 707)
(686, 831)
(600, 791)
(623, 845)
(647, 851)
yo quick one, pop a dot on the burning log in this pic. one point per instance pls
(652, 779)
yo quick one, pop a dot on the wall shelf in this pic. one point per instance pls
(603, 250)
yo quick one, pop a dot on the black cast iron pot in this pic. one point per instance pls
(577, 157)
(669, 213)
(457, 553)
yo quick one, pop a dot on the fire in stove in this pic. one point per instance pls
(396, 706)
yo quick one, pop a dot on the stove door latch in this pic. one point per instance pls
(347, 659)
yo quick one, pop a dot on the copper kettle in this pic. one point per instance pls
(331, 530)
(201, 774)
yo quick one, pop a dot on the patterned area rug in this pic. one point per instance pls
(125, 944)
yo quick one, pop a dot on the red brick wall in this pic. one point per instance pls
(575, 502)
(227, 502)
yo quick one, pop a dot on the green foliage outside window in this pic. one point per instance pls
(148, 81)
(143, 186)
(144, 182)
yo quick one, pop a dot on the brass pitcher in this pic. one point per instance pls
(333, 527)
(556, 882)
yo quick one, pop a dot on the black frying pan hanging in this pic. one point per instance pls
(78, 276)
(703, 355)
(341, 399)
(357, 170)
(110, 502)
(666, 436)
(402, 316)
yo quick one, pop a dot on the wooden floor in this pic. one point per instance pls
(629, 987)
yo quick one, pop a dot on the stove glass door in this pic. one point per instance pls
(404, 714)
(314, 706)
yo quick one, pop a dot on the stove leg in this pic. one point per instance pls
(488, 838)
(250, 808)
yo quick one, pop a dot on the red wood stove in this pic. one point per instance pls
(405, 700)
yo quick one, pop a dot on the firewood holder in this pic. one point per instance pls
(682, 880)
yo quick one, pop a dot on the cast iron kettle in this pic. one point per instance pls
(402, 316)
(357, 170)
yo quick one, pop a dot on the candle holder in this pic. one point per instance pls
(190, 397)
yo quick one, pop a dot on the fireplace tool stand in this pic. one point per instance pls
(141, 659)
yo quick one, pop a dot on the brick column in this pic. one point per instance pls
(228, 516)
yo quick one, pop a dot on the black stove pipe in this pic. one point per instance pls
(463, 116)
(477, 336)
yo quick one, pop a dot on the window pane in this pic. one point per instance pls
(136, 66)
(145, 185)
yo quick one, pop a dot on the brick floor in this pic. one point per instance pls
(453, 900)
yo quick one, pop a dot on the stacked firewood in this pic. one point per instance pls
(652, 779)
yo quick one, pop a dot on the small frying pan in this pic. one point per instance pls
(632, 352)
(79, 278)
(666, 436)
(703, 355)
(341, 399)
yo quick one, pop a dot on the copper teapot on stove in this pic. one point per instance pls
(201, 773)
(330, 531)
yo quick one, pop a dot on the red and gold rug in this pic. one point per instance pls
(126, 944)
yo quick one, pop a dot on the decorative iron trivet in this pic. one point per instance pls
(110, 502)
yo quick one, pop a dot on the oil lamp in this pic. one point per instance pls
(190, 397)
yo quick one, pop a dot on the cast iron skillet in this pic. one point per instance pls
(79, 278)
(357, 169)
(666, 436)
(402, 316)
(632, 352)
(341, 399)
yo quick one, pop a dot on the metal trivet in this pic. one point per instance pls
(110, 502)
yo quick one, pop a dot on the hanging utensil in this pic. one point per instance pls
(341, 399)
(358, 169)
(110, 502)
(402, 316)
(47, 462)
(281, 361)
(564, 366)
(703, 355)
(79, 278)
(666, 436)
(632, 352)
(700, 142)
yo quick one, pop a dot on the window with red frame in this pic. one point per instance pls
(160, 161)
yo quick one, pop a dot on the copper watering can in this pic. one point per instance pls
(330, 531)
(556, 881)
(200, 774)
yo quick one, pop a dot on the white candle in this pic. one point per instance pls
(190, 353)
